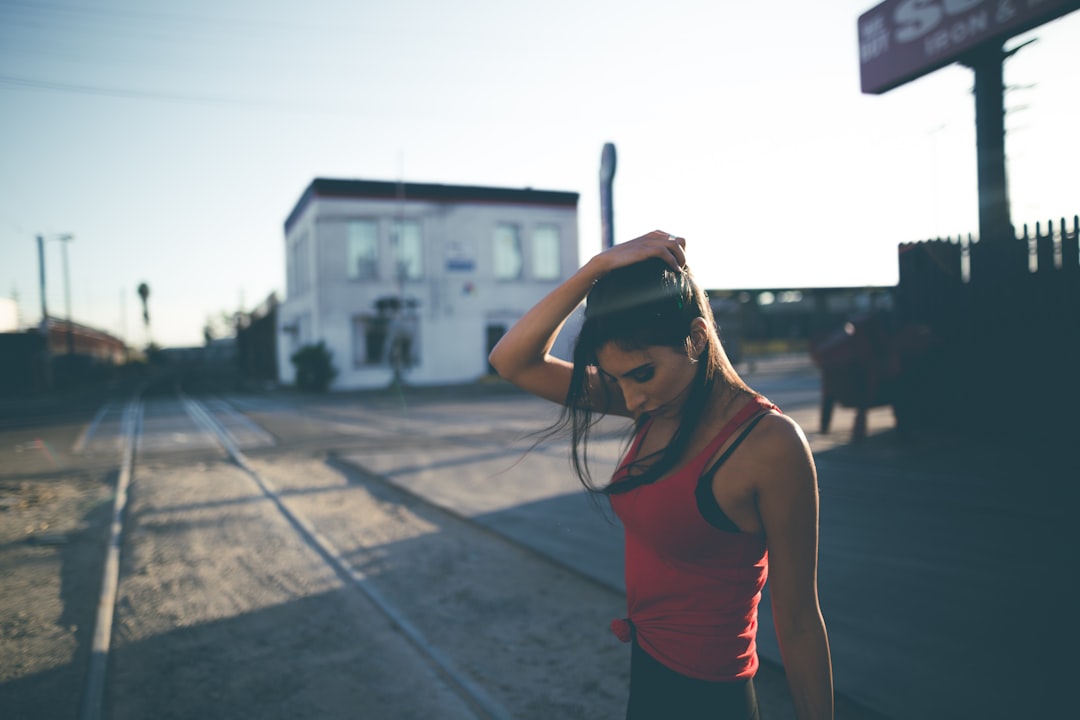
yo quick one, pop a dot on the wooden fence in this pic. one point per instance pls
(1005, 318)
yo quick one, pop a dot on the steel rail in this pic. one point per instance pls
(94, 691)
(473, 694)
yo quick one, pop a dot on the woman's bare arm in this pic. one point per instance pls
(523, 355)
(788, 505)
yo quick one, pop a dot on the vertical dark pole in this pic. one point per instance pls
(46, 356)
(995, 222)
(994, 332)
(67, 298)
(607, 212)
(41, 278)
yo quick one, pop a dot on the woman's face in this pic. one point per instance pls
(655, 380)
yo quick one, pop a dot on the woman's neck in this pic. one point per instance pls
(722, 403)
(725, 402)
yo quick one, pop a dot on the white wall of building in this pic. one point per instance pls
(458, 296)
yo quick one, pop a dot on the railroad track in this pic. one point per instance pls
(235, 520)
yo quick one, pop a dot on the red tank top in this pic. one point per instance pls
(692, 589)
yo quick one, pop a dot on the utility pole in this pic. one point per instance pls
(999, 249)
(44, 325)
(995, 223)
(65, 239)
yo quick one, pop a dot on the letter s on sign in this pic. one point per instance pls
(915, 18)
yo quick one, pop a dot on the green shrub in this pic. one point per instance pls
(314, 367)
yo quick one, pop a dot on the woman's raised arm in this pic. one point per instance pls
(523, 355)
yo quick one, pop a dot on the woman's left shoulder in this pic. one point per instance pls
(781, 450)
(781, 430)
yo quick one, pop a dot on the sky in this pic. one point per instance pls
(172, 140)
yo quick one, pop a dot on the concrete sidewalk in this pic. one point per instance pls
(938, 565)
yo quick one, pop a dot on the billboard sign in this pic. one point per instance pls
(900, 40)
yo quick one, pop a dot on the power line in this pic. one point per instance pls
(194, 99)
(48, 14)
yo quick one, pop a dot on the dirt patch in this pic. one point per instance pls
(52, 538)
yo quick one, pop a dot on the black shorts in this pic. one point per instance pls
(659, 693)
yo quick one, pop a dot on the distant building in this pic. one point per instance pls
(66, 355)
(97, 346)
(764, 321)
(417, 280)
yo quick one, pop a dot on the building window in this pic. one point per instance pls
(363, 250)
(369, 339)
(408, 249)
(545, 252)
(507, 252)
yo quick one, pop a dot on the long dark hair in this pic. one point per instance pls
(646, 304)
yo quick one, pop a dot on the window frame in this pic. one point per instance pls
(396, 244)
(535, 257)
(352, 267)
(520, 252)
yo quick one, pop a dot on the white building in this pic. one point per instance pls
(420, 277)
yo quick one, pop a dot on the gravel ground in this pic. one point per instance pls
(52, 543)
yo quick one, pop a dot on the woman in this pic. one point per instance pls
(717, 490)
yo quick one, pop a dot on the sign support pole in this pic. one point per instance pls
(995, 222)
(607, 211)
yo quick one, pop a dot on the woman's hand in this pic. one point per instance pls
(667, 247)
(523, 355)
